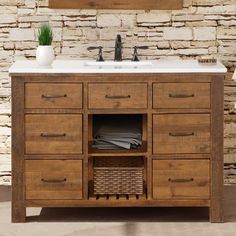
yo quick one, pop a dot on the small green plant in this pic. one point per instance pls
(45, 35)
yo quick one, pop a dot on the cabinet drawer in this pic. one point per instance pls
(57, 95)
(181, 133)
(117, 95)
(53, 134)
(57, 179)
(181, 95)
(173, 179)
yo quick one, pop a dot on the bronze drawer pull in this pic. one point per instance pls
(53, 180)
(53, 96)
(181, 180)
(181, 95)
(52, 135)
(117, 97)
(181, 134)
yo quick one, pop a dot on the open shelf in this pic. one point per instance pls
(115, 197)
(141, 151)
(117, 124)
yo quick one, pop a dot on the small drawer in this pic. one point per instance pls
(53, 95)
(53, 179)
(117, 95)
(53, 134)
(181, 179)
(181, 95)
(181, 133)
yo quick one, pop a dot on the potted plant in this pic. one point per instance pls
(45, 53)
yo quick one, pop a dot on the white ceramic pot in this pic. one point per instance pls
(45, 56)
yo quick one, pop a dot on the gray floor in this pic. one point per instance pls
(118, 221)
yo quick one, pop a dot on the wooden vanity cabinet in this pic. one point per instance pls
(182, 139)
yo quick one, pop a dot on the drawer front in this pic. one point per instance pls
(57, 179)
(53, 134)
(181, 95)
(181, 179)
(57, 95)
(181, 133)
(119, 95)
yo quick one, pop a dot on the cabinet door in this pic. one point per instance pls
(53, 134)
(53, 179)
(181, 95)
(117, 95)
(53, 95)
(181, 179)
(181, 133)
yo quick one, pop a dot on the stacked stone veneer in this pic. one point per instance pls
(202, 27)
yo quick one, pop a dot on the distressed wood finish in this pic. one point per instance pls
(183, 179)
(181, 95)
(217, 164)
(117, 95)
(46, 179)
(18, 188)
(53, 134)
(166, 156)
(118, 4)
(49, 95)
(171, 133)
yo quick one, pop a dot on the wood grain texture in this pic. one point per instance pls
(217, 164)
(18, 189)
(181, 133)
(118, 4)
(117, 95)
(49, 95)
(67, 127)
(173, 179)
(57, 179)
(181, 95)
(204, 121)
(119, 203)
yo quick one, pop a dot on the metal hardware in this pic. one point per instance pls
(99, 57)
(53, 96)
(117, 97)
(185, 180)
(181, 95)
(52, 135)
(53, 180)
(181, 134)
(135, 55)
(118, 48)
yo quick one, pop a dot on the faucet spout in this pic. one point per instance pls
(118, 48)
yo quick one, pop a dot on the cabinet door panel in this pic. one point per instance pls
(57, 179)
(53, 134)
(181, 179)
(181, 133)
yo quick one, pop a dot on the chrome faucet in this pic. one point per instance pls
(118, 48)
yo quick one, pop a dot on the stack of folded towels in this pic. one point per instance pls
(117, 135)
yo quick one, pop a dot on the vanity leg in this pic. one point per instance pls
(18, 213)
(217, 157)
(18, 184)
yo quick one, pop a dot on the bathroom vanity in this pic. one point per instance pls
(54, 113)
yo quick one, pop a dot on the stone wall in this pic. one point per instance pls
(202, 27)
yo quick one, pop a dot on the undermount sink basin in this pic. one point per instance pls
(118, 64)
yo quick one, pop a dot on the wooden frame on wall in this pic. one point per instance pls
(117, 4)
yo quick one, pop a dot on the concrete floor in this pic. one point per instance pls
(118, 221)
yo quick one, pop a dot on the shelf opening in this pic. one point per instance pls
(112, 134)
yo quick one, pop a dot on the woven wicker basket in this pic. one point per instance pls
(118, 175)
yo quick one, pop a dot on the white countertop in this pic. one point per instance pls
(78, 66)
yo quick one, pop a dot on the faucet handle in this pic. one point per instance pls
(99, 57)
(135, 55)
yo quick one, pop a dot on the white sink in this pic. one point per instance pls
(118, 64)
